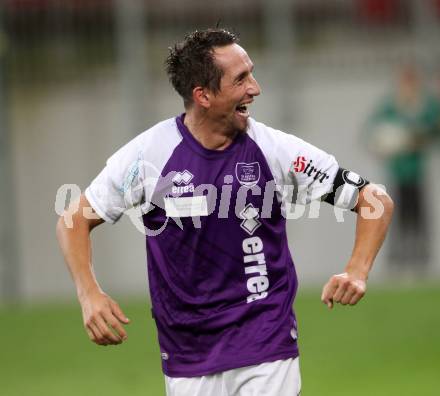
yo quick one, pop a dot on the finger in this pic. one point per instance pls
(90, 334)
(346, 298)
(117, 311)
(355, 299)
(328, 290)
(327, 300)
(98, 338)
(117, 327)
(111, 337)
(342, 288)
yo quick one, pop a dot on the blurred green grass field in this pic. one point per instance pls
(387, 345)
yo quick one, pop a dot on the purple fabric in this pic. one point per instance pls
(197, 276)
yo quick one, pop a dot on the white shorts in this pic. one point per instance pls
(279, 378)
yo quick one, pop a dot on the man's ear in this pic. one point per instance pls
(201, 96)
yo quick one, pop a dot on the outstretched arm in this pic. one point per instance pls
(102, 316)
(374, 209)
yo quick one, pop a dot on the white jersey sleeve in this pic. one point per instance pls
(295, 162)
(130, 174)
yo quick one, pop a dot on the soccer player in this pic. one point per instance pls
(211, 184)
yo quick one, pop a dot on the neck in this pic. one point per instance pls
(207, 132)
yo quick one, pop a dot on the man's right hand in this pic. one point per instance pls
(103, 319)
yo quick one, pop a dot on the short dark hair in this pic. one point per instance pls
(190, 63)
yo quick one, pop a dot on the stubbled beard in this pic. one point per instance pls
(234, 126)
(241, 130)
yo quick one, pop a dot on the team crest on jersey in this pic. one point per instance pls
(247, 175)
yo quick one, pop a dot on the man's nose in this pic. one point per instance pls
(254, 87)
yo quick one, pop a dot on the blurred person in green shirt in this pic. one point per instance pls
(400, 132)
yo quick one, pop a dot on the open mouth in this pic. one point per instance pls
(242, 109)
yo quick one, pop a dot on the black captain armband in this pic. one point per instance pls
(346, 187)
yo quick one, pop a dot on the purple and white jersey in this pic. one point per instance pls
(221, 276)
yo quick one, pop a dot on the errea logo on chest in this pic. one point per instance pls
(181, 181)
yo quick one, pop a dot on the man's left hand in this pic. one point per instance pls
(343, 289)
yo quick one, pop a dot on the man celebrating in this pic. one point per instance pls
(211, 186)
